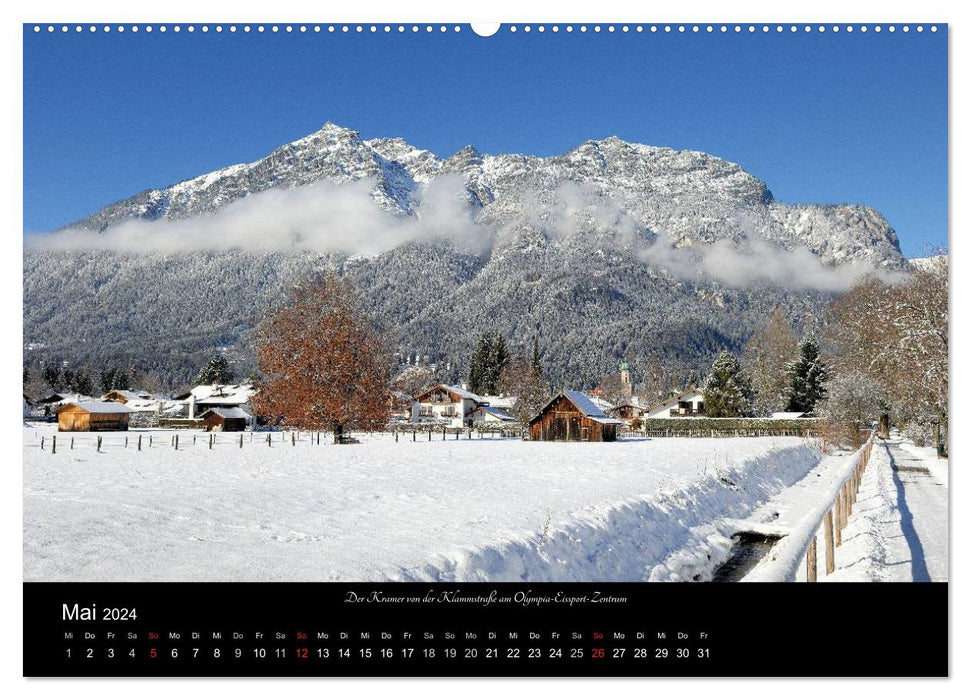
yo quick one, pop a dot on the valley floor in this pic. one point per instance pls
(469, 510)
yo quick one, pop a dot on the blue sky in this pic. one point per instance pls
(825, 118)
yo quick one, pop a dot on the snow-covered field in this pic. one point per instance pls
(501, 510)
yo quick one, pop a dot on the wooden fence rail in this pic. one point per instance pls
(837, 516)
(800, 547)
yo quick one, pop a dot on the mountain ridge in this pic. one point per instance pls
(611, 250)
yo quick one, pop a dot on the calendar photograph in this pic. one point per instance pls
(463, 306)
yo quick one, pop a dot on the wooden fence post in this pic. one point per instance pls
(240, 441)
(139, 443)
(176, 441)
(811, 562)
(126, 442)
(149, 440)
(42, 442)
(98, 448)
(839, 519)
(72, 441)
(293, 439)
(54, 444)
(830, 554)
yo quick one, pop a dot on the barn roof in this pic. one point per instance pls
(584, 404)
(99, 406)
(228, 413)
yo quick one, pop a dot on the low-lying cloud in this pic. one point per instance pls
(325, 217)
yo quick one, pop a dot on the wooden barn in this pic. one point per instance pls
(83, 416)
(226, 420)
(572, 416)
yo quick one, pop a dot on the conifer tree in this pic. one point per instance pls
(478, 366)
(537, 366)
(728, 393)
(216, 371)
(807, 378)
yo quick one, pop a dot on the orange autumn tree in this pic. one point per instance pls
(322, 363)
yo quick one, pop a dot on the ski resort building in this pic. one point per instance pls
(573, 416)
(448, 405)
(687, 404)
(84, 416)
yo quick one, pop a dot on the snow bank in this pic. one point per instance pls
(469, 510)
(783, 562)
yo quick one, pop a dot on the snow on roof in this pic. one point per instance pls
(204, 392)
(229, 413)
(589, 408)
(501, 401)
(493, 411)
(600, 403)
(675, 397)
(787, 415)
(100, 406)
(143, 404)
(130, 394)
(463, 393)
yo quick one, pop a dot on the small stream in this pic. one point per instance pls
(748, 550)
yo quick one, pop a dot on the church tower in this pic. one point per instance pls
(625, 377)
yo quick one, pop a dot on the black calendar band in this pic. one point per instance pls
(482, 629)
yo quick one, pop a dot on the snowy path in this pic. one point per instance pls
(500, 510)
(922, 503)
(898, 530)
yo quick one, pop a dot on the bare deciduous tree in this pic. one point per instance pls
(766, 357)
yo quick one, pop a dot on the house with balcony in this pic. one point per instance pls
(687, 404)
(448, 405)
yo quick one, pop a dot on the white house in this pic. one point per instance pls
(448, 405)
(490, 415)
(506, 404)
(207, 396)
(687, 404)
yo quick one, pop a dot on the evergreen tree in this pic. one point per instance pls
(216, 371)
(108, 379)
(537, 367)
(52, 375)
(807, 378)
(728, 393)
(498, 359)
(82, 383)
(478, 367)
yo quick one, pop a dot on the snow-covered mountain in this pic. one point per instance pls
(688, 196)
(567, 262)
